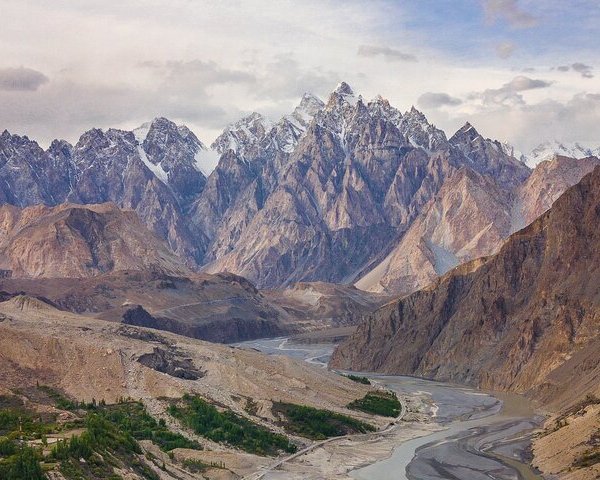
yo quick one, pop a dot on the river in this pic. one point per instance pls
(485, 436)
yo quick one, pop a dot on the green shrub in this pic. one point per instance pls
(357, 379)
(24, 465)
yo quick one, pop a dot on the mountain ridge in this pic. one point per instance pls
(344, 179)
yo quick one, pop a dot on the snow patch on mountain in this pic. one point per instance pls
(141, 132)
(157, 169)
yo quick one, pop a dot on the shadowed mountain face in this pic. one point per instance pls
(218, 308)
(525, 319)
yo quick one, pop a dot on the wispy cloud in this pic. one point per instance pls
(21, 79)
(510, 11)
(388, 53)
(436, 100)
(510, 92)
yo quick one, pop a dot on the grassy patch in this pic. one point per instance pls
(357, 379)
(385, 404)
(318, 424)
(228, 427)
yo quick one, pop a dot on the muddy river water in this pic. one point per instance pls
(485, 436)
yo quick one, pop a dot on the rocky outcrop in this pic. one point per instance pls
(519, 320)
(79, 241)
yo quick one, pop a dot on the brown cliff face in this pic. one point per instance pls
(523, 319)
(79, 241)
(471, 216)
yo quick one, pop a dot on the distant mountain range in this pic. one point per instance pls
(340, 191)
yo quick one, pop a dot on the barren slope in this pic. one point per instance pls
(79, 241)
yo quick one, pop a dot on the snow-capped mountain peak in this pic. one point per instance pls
(419, 132)
(243, 135)
(308, 107)
(551, 148)
(380, 106)
(343, 95)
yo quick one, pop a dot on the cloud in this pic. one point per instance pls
(505, 49)
(528, 125)
(522, 83)
(510, 11)
(389, 54)
(206, 73)
(582, 68)
(510, 93)
(284, 78)
(21, 79)
(436, 100)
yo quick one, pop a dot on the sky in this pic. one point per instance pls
(523, 71)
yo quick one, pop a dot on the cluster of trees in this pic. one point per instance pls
(18, 461)
(382, 403)
(318, 424)
(110, 440)
(22, 464)
(228, 427)
(131, 417)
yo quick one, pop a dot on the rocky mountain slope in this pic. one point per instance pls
(316, 305)
(355, 182)
(79, 241)
(470, 217)
(525, 319)
(547, 182)
(220, 308)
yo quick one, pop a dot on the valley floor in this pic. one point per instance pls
(456, 430)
